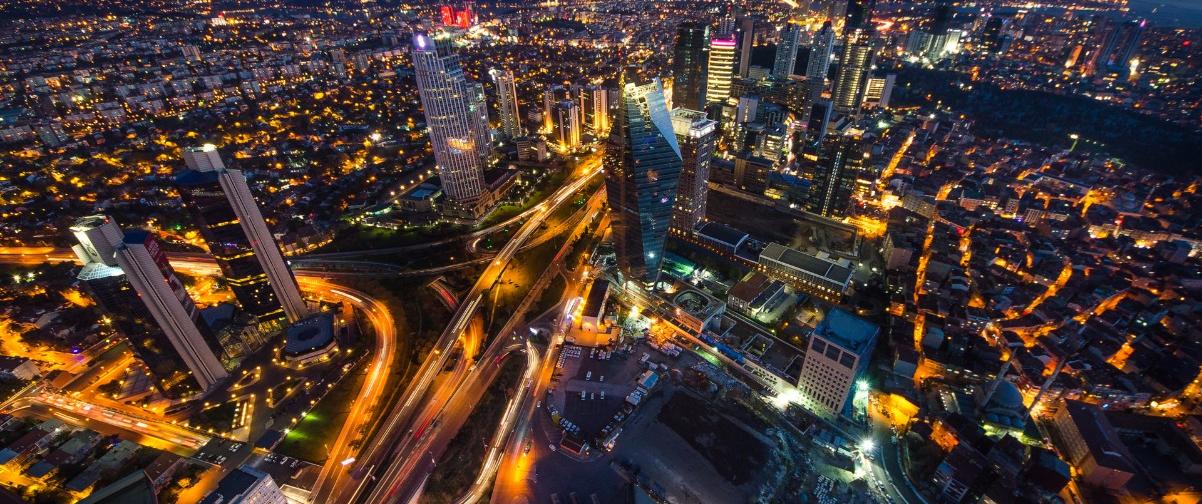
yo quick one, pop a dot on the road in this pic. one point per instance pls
(332, 480)
(392, 432)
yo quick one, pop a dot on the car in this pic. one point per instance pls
(588, 376)
(553, 447)
(602, 378)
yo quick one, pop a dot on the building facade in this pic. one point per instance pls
(232, 225)
(836, 356)
(697, 136)
(454, 121)
(507, 102)
(642, 171)
(855, 58)
(820, 56)
(786, 51)
(689, 60)
(720, 70)
(840, 160)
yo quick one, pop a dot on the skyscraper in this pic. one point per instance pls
(820, 57)
(554, 93)
(840, 161)
(148, 306)
(786, 51)
(720, 70)
(146, 267)
(230, 222)
(642, 170)
(594, 108)
(565, 125)
(689, 60)
(696, 136)
(453, 119)
(746, 37)
(507, 102)
(855, 59)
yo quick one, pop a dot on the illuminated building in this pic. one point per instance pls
(642, 170)
(1092, 445)
(246, 485)
(786, 51)
(507, 98)
(818, 275)
(594, 108)
(696, 135)
(1120, 45)
(820, 56)
(565, 125)
(836, 357)
(689, 60)
(554, 93)
(230, 222)
(745, 34)
(452, 116)
(855, 58)
(148, 306)
(841, 159)
(879, 90)
(720, 69)
(463, 17)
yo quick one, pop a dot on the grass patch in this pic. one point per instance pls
(456, 469)
(521, 274)
(310, 437)
(735, 453)
(360, 237)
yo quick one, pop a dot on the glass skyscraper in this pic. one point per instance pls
(642, 171)
(689, 59)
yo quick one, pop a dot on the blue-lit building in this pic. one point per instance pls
(642, 172)
(836, 357)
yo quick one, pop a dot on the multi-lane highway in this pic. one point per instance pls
(393, 442)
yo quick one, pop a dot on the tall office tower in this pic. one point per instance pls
(479, 111)
(855, 59)
(689, 60)
(1121, 45)
(148, 272)
(642, 170)
(102, 278)
(786, 51)
(555, 93)
(993, 37)
(507, 102)
(594, 108)
(232, 225)
(840, 161)
(817, 122)
(820, 57)
(719, 70)
(454, 122)
(565, 126)
(726, 26)
(746, 37)
(696, 136)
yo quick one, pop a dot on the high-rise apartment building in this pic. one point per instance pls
(232, 225)
(161, 347)
(842, 158)
(594, 108)
(720, 70)
(786, 51)
(453, 117)
(642, 171)
(855, 58)
(507, 102)
(565, 125)
(689, 59)
(554, 93)
(696, 136)
(820, 56)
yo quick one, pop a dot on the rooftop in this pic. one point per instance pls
(722, 233)
(848, 331)
(820, 265)
(309, 333)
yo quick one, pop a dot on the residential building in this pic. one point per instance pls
(786, 51)
(820, 56)
(696, 135)
(855, 58)
(507, 102)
